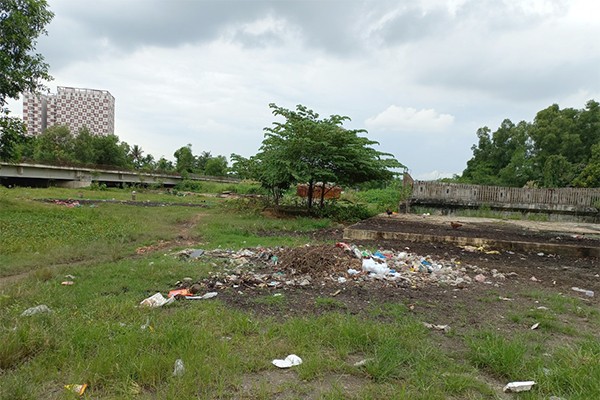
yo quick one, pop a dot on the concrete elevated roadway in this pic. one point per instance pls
(76, 177)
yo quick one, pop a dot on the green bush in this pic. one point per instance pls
(344, 212)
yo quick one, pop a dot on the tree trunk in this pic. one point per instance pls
(311, 189)
(322, 195)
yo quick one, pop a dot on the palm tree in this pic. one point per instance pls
(136, 155)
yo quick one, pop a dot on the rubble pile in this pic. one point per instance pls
(329, 265)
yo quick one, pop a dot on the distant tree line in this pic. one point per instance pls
(559, 148)
(58, 146)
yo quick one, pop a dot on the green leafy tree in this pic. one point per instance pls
(185, 161)
(54, 146)
(216, 166)
(12, 136)
(164, 165)
(552, 151)
(243, 168)
(201, 161)
(590, 175)
(110, 151)
(21, 69)
(310, 150)
(84, 150)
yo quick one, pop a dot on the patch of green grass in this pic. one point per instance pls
(329, 303)
(232, 229)
(36, 234)
(502, 357)
(276, 300)
(573, 371)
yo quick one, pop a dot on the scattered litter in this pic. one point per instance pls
(179, 368)
(506, 299)
(589, 293)
(79, 389)
(370, 265)
(535, 326)
(36, 310)
(207, 296)
(156, 300)
(362, 363)
(336, 293)
(326, 265)
(67, 203)
(180, 292)
(147, 325)
(542, 308)
(516, 387)
(67, 283)
(533, 279)
(289, 361)
(196, 254)
(71, 277)
(443, 328)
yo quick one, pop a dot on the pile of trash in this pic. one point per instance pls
(330, 265)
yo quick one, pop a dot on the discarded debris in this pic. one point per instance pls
(516, 387)
(180, 292)
(79, 389)
(42, 308)
(535, 326)
(147, 325)
(207, 296)
(290, 361)
(326, 265)
(156, 300)
(179, 368)
(362, 363)
(443, 328)
(589, 293)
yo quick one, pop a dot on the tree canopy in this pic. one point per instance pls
(559, 148)
(21, 69)
(204, 164)
(306, 149)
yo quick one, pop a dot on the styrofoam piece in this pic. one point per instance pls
(289, 361)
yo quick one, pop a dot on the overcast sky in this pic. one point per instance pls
(420, 75)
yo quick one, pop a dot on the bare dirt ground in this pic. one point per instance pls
(522, 276)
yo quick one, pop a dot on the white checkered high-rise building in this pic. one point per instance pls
(73, 107)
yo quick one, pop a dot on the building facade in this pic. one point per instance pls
(73, 107)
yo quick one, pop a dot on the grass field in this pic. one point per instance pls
(98, 335)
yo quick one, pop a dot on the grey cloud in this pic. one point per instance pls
(134, 23)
